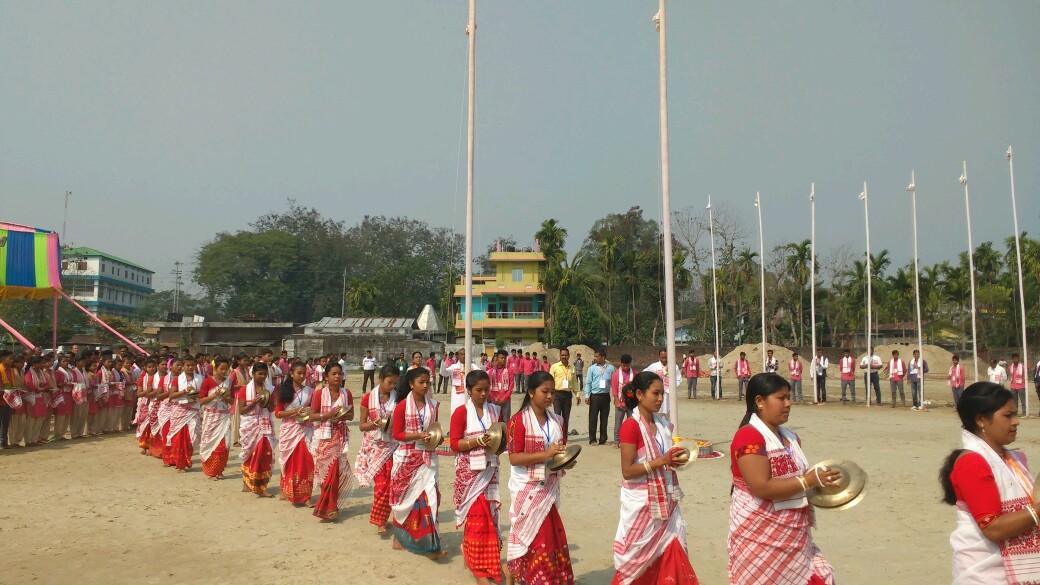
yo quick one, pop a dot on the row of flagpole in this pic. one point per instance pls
(868, 274)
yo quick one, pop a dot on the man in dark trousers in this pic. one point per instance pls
(597, 396)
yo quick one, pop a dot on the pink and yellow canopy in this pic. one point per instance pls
(30, 262)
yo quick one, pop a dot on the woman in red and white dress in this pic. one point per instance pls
(477, 499)
(97, 415)
(375, 458)
(770, 520)
(215, 399)
(13, 384)
(332, 471)
(61, 398)
(114, 413)
(997, 539)
(144, 405)
(184, 416)
(38, 383)
(257, 433)
(159, 413)
(650, 544)
(537, 550)
(80, 397)
(414, 494)
(294, 397)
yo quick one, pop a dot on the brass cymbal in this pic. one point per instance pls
(497, 434)
(436, 436)
(342, 412)
(304, 415)
(561, 460)
(690, 450)
(264, 395)
(850, 489)
(385, 422)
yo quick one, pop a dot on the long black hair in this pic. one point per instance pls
(533, 382)
(404, 388)
(764, 385)
(287, 391)
(980, 399)
(640, 383)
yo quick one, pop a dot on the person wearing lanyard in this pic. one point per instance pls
(650, 544)
(374, 461)
(597, 396)
(618, 380)
(566, 380)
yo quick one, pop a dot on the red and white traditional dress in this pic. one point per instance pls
(770, 542)
(114, 413)
(160, 422)
(97, 414)
(294, 455)
(11, 381)
(375, 458)
(537, 550)
(215, 440)
(332, 470)
(37, 402)
(80, 397)
(61, 401)
(184, 422)
(414, 494)
(477, 499)
(650, 544)
(257, 445)
(988, 486)
(143, 427)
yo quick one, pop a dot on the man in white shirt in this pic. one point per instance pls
(915, 371)
(670, 376)
(872, 363)
(368, 365)
(772, 364)
(714, 367)
(457, 372)
(996, 373)
(820, 365)
(896, 372)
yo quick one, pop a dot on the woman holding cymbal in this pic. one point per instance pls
(996, 539)
(770, 536)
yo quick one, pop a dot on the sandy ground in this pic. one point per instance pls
(96, 511)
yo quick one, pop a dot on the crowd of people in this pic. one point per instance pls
(177, 404)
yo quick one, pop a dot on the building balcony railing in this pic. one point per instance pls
(503, 319)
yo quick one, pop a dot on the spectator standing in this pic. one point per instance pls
(872, 364)
(820, 365)
(597, 396)
(368, 365)
(566, 384)
(692, 370)
(916, 370)
(622, 376)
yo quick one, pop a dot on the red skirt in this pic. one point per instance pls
(216, 463)
(481, 547)
(155, 449)
(548, 560)
(673, 566)
(181, 449)
(256, 471)
(381, 495)
(145, 442)
(328, 495)
(297, 481)
(167, 450)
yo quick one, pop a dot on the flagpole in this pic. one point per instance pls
(714, 297)
(761, 275)
(666, 224)
(471, 32)
(1018, 256)
(870, 292)
(912, 188)
(971, 273)
(812, 284)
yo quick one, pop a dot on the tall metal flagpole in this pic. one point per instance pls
(971, 274)
(714, 297)
(912, 188)
(812, 284)
(471, 31)
(1018, 256)
(761, 276)
(870, 292)
(666, 224)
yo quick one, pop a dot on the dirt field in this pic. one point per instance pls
(96, 511)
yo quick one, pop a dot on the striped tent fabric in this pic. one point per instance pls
(30, 262)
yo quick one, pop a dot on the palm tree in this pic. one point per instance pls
(361, 296)
(797, 262)
(551, 237)
(988, 263)
(608, 250)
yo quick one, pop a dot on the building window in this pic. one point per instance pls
(518, 275)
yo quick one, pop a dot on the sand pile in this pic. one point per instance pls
(755, 360)
(554, 354)
(939, 360)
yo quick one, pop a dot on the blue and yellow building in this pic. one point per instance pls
(508, 304)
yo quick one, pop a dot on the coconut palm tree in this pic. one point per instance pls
(797, 261)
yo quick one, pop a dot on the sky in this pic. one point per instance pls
(171, 122)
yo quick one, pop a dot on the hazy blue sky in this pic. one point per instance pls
(173, 121)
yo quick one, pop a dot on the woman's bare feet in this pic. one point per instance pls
(436, 556)
(396, 544)
(182, 471)
(265, 494)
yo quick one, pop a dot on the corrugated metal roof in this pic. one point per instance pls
(365, 322)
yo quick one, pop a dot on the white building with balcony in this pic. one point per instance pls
(103, 283)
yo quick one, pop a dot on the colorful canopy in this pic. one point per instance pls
(30, 262)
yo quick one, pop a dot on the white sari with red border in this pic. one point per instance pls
(534, 488)
(476, 470)
(377, 447)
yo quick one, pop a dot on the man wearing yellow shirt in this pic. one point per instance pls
(566, 384)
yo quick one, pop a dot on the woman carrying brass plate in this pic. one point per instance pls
(333, 406)
(256, 430)
(374, 460)
(215, 440)
(770, 539)
(293, 397)
(650, 544)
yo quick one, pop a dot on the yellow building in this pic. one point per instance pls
(508, 304)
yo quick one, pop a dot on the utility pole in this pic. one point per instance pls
(343, 300)
(177, 286)
(65, 219)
